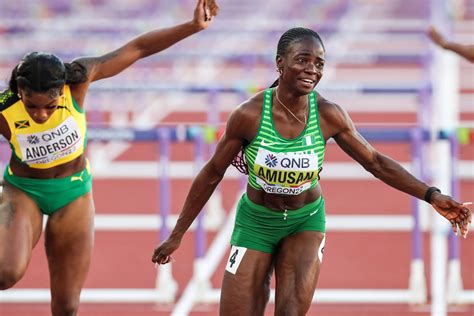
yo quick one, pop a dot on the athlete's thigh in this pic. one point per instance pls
(20, 228)
(69, 238)
(297, 265)
(246, 282)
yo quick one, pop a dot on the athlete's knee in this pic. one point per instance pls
(64, 306)
(290, 310)
(9, 276)
(294, 305)
(285, 311)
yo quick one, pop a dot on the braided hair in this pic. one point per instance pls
(44, 72)
(286, 40)
(294, 35)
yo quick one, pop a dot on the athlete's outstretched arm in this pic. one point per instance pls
(465, 51)
(393, 174)
(204, 185)
(149, 43)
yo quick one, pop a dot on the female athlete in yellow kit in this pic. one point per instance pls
(42, 116)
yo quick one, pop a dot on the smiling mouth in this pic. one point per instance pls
(308, 81)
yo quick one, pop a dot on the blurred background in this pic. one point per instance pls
(154, 125)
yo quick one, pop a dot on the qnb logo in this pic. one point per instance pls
(271, 161)
(33, 139)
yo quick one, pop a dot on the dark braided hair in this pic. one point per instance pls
(41, 72)
(286, 40)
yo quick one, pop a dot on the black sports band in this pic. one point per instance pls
(430, 192)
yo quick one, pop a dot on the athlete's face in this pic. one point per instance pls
(302, 67)
(40, 106)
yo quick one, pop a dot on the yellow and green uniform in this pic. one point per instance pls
(61, 139)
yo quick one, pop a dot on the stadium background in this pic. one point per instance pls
(378, 66)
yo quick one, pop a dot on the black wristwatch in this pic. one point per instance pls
(430, 192)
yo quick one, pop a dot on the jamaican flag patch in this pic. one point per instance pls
(22, 124)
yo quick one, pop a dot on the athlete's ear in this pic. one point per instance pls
(279, 63)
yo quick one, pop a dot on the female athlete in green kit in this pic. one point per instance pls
(280, 221)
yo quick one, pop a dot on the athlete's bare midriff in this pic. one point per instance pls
(64, 170)
(280, 202)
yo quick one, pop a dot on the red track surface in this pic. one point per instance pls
(352, 260)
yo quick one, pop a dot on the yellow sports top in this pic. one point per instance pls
(61, 139)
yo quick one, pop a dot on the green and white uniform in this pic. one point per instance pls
(286, 167)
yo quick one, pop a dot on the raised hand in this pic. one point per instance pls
(436, 37)
(204, 12)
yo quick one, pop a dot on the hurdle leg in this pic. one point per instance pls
(166, 286)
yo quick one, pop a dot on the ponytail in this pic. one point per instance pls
(12, 84)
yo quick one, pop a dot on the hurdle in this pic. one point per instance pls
(166, 286)
(444, 244)
(455, 294)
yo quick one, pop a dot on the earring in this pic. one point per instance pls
(19, 95)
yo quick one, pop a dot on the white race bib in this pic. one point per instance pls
(48, 146)
(285, 173)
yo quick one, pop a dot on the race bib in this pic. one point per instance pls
(285, 173)
(48, 146)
